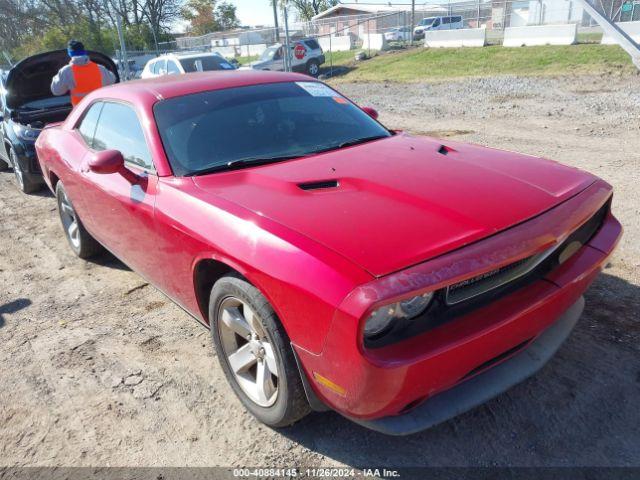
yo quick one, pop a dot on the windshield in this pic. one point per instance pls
(268, 53)
(212, 129)
(205, 63)
(427, 21)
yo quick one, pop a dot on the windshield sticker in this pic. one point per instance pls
(316, 89)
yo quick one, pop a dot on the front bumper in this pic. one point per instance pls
(484, 386)
(393, 380)
(26, 155)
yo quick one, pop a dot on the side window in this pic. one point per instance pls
(446, 20)
(119, 129)
(456, 19)
(153, 68)
(88, 123)
(172, 68)
(436, 22)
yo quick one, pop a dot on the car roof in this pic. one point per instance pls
(189, 55)
(169, 86)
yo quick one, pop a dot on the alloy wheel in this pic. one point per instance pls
(314, 69)
(248, 351)
(69, 220)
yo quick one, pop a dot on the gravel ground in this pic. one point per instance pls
(100, 369)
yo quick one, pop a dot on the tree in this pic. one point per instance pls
(206, 16)
(226, 15)
(161, 14)
(307, 9)
(201, 16)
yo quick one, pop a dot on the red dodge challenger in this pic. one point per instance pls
(340, 265)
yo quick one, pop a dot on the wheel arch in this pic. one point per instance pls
(207, 271)
(53, 180)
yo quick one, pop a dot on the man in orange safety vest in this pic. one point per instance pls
(81, 76)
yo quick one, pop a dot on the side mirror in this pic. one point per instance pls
(107, 161)
(372, 112)
(111, 161)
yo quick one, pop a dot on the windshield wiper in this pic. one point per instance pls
(358, 141)
(242, 163)
(350, 143)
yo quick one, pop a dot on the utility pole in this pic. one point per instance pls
(413, 21)
(287, 45)
(123, 47)
(275, 20)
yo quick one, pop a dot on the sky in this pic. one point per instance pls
(260, 12)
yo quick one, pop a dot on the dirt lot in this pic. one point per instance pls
(99, 369)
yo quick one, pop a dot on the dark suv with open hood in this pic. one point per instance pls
(27, 105)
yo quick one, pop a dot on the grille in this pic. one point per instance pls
(472, 287)
(476, 286)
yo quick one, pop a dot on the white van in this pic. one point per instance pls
(453, 22)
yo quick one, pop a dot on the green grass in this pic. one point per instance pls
(339, 58)
(432, 64)
(245, 60)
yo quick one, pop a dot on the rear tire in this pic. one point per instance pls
(247, 333)
(25, 182)
(80, 241)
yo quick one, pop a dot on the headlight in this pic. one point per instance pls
(382, 319)
(25, 132)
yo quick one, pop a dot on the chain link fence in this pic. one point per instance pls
(345, 38)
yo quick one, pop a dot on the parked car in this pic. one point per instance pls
(306, 57)
(398, 280)
(180, 63)
(134, 69)
(399, 34)
(437, 23)
(27, 106)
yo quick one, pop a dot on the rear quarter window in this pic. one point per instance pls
(312, 44)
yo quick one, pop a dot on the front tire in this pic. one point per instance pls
(255, 353)
(25, 182)
(313, 68)
(80, 241)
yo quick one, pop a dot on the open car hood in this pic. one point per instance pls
(30, 79)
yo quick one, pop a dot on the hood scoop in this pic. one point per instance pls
(444, 150)
(319, 185)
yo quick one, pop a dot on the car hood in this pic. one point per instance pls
(30, 79)
(258, 63)
(401, 200)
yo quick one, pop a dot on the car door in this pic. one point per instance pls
(121, 210)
